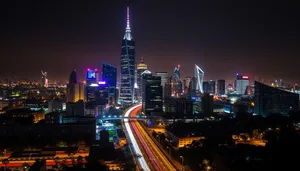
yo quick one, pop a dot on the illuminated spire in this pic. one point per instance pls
(128, 20)
(127, 35)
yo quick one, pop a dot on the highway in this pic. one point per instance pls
(141, 160)
(158, 160)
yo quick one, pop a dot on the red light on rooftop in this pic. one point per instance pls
(96, 69)
(88, 69)
(245, 77)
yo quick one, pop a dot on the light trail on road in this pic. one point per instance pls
(157, 157)
(160, 156)
(147, 149)
(137, 150)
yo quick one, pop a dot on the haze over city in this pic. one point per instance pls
(221, 37)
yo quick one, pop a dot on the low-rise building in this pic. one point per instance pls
(179, 141)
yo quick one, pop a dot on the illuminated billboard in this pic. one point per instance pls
(91, 74)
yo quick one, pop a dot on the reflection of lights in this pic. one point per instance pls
(109, 116)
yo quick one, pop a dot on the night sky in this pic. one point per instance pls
(252, 37)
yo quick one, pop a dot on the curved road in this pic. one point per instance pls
(158, 160)
(142, 162)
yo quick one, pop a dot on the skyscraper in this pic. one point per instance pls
(176, 73)
(164, 77)
(109, 74)
(164, 80)
(127, 65)
(212, 87)
(199, 74)
(221, 87)
(141, 67)
(75, 90)
(152, 94)
(186, 82)
(242, 82)
(92, 76)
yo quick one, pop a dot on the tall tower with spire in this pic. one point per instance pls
(128, 64)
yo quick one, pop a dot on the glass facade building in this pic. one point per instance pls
(127, 66)
(199, 74)
(109, 75)
(152, 94)
(270, 100)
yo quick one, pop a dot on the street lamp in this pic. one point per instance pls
(182, 160)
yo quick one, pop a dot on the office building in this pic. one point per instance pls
(75, 109)
(152, 94)
(97, 96)
(141, 67)
(109, 74)
(167, 89)
(92, 76)
(127, 65)
(181, 107)
(199, 74)
(164, 79)
(145, 74)
(241, 84)
(75, 90)
(176, 74)
(193, 87)
(268, 100)
(212, 87)
(221, 87)
(207, 103)
(205, 86)
(55, 106)
(186, 82)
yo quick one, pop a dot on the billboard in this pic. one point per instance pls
(91, 74)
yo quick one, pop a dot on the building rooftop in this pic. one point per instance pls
(104, 151)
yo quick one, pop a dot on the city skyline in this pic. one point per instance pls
(256, 43)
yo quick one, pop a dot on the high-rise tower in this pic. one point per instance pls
(127, 65)
(199, 74)
(75, 90)
(109, 74)
(141, 67)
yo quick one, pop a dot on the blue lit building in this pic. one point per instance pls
(92, 76)
(127, 65)
(109, 74)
